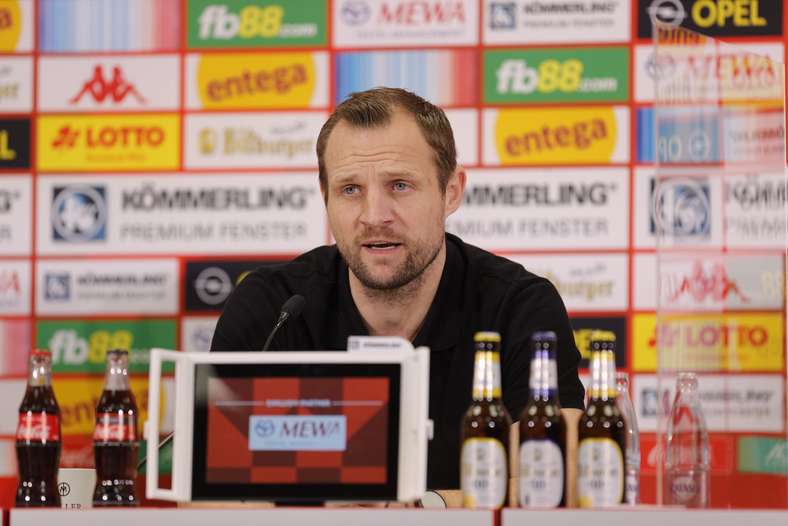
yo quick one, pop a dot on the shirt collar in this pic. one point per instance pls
(440, 329)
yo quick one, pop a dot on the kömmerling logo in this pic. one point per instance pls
(79, 213)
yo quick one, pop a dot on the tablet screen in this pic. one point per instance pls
(296, 431)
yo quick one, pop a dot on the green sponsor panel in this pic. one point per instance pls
(256, 23)
(81, 346)
(763, 455)
(556, 75)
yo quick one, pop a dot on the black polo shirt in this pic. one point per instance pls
(477, 291)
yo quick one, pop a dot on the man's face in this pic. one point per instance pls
(384, 204)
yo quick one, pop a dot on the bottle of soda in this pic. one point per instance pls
(632, 453)
(115, 436)
(38, 436)
(687, 449)
(542, 431)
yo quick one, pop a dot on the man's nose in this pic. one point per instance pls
(377, 208)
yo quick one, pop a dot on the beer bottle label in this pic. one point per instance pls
(541, 474)
(38, 427)
(114, 427)
(600, 473)
(484, 476)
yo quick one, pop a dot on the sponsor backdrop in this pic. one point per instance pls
(154, 152)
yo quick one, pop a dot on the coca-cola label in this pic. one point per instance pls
(114, 427)
(38, 427)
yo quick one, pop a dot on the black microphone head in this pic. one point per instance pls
(294, 305)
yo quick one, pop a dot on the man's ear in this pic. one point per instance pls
(455, 189)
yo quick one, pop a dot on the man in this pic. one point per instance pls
(389, 179)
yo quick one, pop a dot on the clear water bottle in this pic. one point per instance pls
(632, 453)
(687, 448)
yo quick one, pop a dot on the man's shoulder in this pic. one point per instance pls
(319, 265)
(488, 267)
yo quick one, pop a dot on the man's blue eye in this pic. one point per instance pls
(349, 190)
(399, 185)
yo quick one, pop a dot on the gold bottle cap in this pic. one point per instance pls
(603, 336)
(487, 336)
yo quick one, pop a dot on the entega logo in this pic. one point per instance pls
(570, 136)
(100, 89)
(79, 213)
(10, 25)
(277, 81)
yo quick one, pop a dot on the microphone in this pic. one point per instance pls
(291, 309)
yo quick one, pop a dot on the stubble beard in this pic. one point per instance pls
(406, 277)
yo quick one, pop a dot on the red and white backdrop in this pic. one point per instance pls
(152, 152)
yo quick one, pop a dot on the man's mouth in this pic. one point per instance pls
(381, 245)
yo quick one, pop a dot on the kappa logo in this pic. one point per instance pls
(681, 208)
(503, 15)
(57, 286)
(669, 12)
(79, 213)
(116, 89)
(356, 12)
(700, 285)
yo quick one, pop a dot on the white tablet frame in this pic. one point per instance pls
(415, 427)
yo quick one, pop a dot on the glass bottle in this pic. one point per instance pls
(484, 454)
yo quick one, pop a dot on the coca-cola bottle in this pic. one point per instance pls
(687, 449)
(115, 436)
(38, 436)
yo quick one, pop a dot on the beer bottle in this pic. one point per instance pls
(484, 457)
(542, 431)
(115, 436)
(38, 436)
(601, 432)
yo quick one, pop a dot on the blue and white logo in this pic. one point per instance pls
(503, 15)
(356, 12)
(57, 286)
(297, 433)
(79, 213)
(681, 208)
